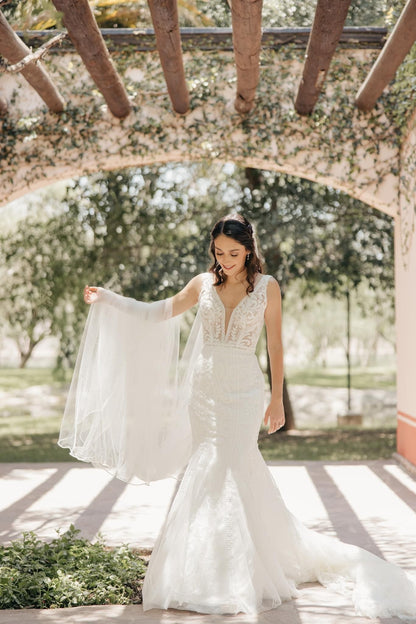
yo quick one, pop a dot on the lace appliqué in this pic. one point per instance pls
(246, 320)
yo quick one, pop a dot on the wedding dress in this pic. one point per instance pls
(229, 544)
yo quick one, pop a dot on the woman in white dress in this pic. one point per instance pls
(229, 544)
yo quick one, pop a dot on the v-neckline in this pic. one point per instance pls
(225, 329)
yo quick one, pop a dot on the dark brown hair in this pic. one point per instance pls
(238, 228)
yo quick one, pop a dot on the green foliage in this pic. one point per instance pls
(317, 234)
(40, 14)
(149, 228)
(68, 572)
(145, 233)
(403, 89)
(40, 262)
(329, 445)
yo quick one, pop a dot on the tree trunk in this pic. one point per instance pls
(14, 50)
(287, 404)
(348, 348)
(26, 353)
(84, 33)
(289, 414)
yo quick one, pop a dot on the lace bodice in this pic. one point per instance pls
(246, 320)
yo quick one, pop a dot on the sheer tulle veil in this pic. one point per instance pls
(127, 407)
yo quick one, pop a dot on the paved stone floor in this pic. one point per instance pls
(371, 504)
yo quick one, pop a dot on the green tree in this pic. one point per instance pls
(326, 238)
(36, 261)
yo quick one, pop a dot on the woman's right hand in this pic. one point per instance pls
(90, 294)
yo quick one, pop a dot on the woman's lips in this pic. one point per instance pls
(228, 268)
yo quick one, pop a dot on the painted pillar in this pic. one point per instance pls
(405, 268)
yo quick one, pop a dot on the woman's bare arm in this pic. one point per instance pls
(188, 296)
(182, 301)
(273, 319)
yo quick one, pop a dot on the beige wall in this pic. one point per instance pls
(405, 253)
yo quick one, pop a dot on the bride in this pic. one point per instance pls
(229, 544)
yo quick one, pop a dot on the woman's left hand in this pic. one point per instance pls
(275, 415)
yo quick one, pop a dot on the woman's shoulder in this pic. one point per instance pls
(204, 277)
(272, 287)
(269, 279)
(199, 281)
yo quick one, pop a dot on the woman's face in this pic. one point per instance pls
(230, 254)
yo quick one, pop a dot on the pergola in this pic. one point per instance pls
(323, 39)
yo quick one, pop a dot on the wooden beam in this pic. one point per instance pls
(397, 47)
(326, 31)
(246, 19)
(14, 50)
(168, 40)
(84, 33)
(216, 39)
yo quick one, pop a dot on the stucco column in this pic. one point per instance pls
(405, 269)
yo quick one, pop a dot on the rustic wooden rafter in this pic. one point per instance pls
(84, 33)
(14, 50)
(397, 47)
(168, 40)
(326, 31)
(246, 20)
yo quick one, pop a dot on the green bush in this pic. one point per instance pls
(69, 571)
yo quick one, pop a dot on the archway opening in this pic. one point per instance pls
(168, 206)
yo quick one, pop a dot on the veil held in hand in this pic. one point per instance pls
(127, 407)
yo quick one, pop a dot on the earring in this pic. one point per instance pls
(247, 257)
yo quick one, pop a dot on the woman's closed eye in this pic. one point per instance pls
(232, 255)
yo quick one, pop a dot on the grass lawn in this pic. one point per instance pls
(21, 378)
(28, 438)
(329, 444)
(25, 439)
(376, 377)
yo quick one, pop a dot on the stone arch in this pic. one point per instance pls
(338, 146)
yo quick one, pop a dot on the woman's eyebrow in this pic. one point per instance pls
(218, 249)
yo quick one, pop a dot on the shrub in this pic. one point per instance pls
(69, 571)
